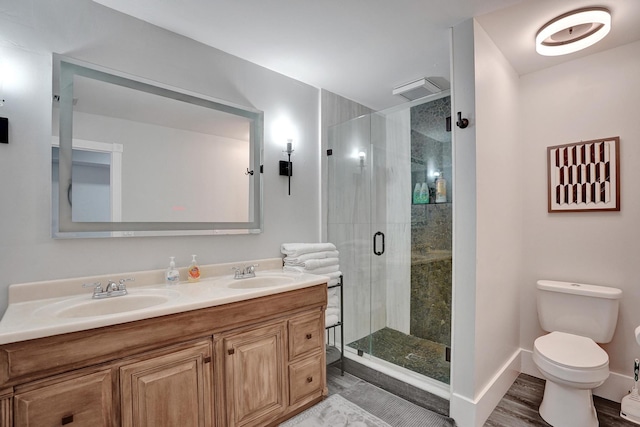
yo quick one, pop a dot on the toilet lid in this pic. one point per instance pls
(572, 351)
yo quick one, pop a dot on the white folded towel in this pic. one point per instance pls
(320, 271)
(332, 311)
(313, 264)
(332, 282)
(297, 249)
(331, 320)
(333, 274)
(294, 260)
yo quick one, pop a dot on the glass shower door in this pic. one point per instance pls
(395, 254)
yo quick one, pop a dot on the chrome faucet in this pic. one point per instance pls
(113, 289)
(244, 272)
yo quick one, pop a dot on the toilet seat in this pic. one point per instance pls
(571, 358)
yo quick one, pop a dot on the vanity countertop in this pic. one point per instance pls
(34, 308)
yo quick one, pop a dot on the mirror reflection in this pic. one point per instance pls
(139, 158)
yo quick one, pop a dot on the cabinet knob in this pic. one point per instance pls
(309, 379)
(308, 336)
(231, 351)
(67, 419)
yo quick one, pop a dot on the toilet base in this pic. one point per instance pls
(567, 407)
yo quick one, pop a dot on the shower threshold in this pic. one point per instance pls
(407, 351)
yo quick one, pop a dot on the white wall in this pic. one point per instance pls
(487, 185)
(30, 30)
(593, 97)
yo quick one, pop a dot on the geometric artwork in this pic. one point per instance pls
(584, 176)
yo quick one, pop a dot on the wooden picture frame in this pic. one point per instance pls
(584, 176)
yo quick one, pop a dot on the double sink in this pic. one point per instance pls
(42, 309)
(140, 299)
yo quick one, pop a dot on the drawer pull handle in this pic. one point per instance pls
(309, 336)
(231, 351)
(67, 420)
(309, 379)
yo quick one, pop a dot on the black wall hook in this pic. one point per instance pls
(462, 123)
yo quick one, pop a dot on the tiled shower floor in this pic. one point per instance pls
(416, 354)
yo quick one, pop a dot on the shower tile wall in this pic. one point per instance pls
(431, 224)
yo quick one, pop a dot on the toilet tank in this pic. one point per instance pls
(575, 308)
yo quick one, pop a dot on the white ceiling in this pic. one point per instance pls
(362, 49)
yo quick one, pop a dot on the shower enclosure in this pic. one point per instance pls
(394, 242)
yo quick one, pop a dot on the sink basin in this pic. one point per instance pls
(87, 307)
(260, 282)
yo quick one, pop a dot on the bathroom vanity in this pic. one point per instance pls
(217, 353)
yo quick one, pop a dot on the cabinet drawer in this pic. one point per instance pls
(83, 401)
(305, 378)
(305, 334)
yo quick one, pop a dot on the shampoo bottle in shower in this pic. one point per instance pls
(424, 193)
(416, 194)
(193, 274)
(172, 275)
(441, 189)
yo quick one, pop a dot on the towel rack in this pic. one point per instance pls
(338, 324)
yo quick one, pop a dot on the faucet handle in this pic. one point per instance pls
(251, 269)
(97, 286)
(121, 286)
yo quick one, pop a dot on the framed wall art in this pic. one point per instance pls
(584, 176)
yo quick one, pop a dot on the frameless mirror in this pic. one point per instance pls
(132, 157)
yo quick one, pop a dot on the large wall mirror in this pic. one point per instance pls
(132, 157)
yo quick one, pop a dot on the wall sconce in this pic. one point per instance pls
(361, 156)
(286, 168)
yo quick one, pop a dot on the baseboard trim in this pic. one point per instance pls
(474, 413)
(614, 388)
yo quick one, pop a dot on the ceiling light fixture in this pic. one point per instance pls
(573, 31)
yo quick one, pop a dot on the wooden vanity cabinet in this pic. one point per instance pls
(255, 381)
(306, 364)
(78, 401)
(167, 390)
(249, 363)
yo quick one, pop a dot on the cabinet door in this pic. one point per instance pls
(256, 391)
(169, 390)
(85, 401)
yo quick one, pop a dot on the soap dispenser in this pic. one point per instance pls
(193, 273)
(172, 275)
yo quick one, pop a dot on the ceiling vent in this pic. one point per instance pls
(420, 88)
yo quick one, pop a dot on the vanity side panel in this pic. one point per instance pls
(6, 407)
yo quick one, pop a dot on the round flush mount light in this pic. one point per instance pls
(573, 31)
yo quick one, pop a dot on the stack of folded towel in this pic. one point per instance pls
(317, 258)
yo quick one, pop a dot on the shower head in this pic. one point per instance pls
(422, 87)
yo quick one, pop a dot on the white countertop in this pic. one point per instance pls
(32, 306)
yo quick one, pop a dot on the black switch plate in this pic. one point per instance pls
(4, 130)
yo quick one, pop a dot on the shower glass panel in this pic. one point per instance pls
(395, 247)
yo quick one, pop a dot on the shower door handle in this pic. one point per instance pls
(375, 243)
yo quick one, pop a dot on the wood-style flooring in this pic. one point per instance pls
(518, 408)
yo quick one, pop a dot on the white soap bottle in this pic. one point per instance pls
(172, 275)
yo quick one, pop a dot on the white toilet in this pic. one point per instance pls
(577, 316)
